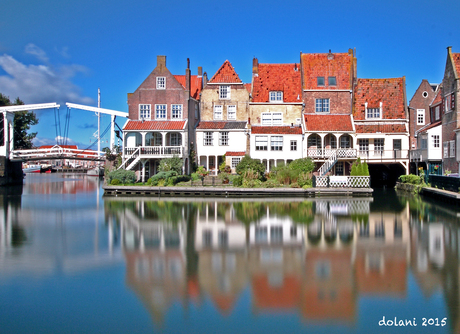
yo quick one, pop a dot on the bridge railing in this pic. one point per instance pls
(56, 153)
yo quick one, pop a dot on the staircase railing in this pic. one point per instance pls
(130, 158)
(328, 164)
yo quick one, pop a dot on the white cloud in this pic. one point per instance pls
(40, 83)
(37, 52)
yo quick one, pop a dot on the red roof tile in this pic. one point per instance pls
(438, 98)
(277, 77)
(195, 84)
(155, 125)
(282, 130)
(235, 154)
(383, 128)
(248, 87)
(338, 65)
(373, 91)
(229, 125)
(456, 59)
(325, 123)
(225, 74)
(429, 126)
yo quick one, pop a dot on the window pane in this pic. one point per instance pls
(332, 81)
(320, 81)
(160, 111)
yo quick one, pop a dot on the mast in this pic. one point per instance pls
(99, 123)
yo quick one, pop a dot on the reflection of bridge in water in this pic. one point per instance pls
(58, 152)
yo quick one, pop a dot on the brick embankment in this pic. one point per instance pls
(439, 194)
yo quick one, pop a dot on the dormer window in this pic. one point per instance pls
(332, 81)
(224, 92)
(161, 83)
(276, 96)
(320, 81)
(373, 113)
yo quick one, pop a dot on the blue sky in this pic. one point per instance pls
(63, 51)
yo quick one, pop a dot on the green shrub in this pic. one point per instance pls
(171, 164)
(304, 165)
(359, 168)
(254, 164)
(115, 182)
(305, 179)
(237, 180)
(195, 177)
(164, 176)
(254, 183)
(123, 175)
(411, 179)
(271, 183)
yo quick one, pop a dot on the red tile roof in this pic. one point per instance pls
(383, 128)
(248, 87)
(235, 154)
(429, 126)
(282, 130)
(373, 91)
(277, 77)
(438, 98)
(155, 125)
(195, 84)
(327, 123)
(225, 74)
(456, 59)
(338, 65)
(232, 125)
(75, 147)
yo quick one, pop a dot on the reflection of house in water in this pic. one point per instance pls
(275, 263)
(220, 241)
(382, 253)
(155, 257)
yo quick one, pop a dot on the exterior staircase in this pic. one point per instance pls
(328, 164)
(131, 161)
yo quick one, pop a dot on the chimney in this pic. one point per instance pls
(255, 66)
(200, 71)
(330, 55)
(161, 62)
(205, 78)
(187, 77)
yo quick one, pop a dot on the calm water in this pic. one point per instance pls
(72, 261)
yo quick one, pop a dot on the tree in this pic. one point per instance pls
(23, 120)
(171, 164)
(247, 163)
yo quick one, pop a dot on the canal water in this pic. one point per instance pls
(73, 261)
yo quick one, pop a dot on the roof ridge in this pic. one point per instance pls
(220, 75)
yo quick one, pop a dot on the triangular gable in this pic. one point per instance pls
(456, 60)
(195, 84)
(226, 74)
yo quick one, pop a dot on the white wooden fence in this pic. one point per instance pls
(343, 181)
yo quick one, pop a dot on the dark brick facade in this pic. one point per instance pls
(421, 99)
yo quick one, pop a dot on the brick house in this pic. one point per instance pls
(381, 121)
(428, 152)
(163, 113)
(327, 90)
(419, 109)
(275, 113)
(223, 121)
(450, 110)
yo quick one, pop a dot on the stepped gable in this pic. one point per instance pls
(338, 65)
(282, 130)
(277, 77)
(327, 123)
(134, 125)
(373, 91)
(223, 125)
(226, 74)
(195, 84)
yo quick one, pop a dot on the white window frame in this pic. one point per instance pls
(293, 145)
(379, 146)
(261, 143)
(446, 149)
(272, 118)
(161, 82)
(373, 113)
(175, 139)
(231, 112)
(208, 138)
(452, 148)
(276, 143)
(218, 110)
(276, 96)
(436, 112)
(420, 116)
(223, 138)
(235, 161)
(224, 92)
(176, 111)
(363, 144)
(322, 105)
(145, 111)
(159, 111)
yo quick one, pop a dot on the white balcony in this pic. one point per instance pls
(325, 153)
(155, 151)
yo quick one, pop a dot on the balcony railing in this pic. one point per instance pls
(419, 155)
(382, 155)
(160, 151)
(327, 152)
